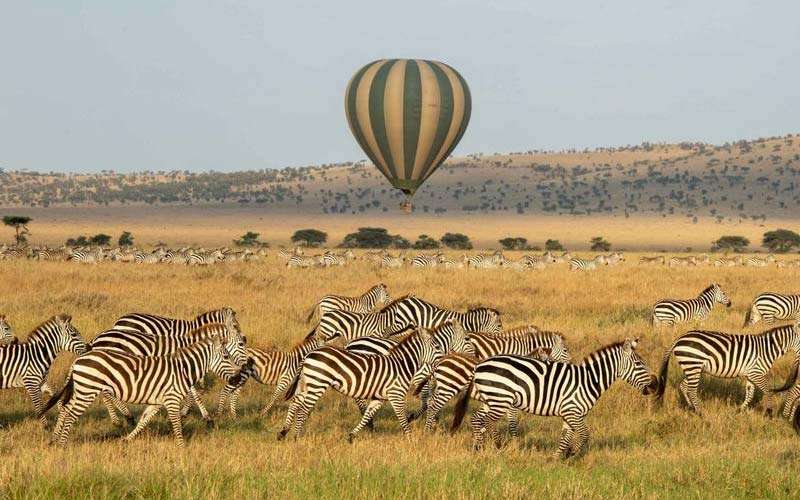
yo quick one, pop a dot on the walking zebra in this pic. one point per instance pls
(426, 261)
(330, 259)
(155, 381)
(6, 332)
(149, 258)
(412, 310)
(514, 383)
(729, 356)
(454, 373)
(362, 376)
(660, 259)
(537, 261)
(682, 261)
(770, 306)
(161, 326)
(364, 303)
(270, 367)
(26, 364)
(577, 264)
(673, 311)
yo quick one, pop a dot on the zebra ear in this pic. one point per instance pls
(628, 346)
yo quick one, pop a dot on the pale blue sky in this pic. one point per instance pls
(234, 85)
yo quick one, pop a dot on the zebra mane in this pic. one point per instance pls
(39, 331)
(595, 355)
(400, 299)
(405, 339)
(519, 331)
(477, 309)
(709, 288)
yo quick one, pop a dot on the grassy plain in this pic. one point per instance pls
(635, 450)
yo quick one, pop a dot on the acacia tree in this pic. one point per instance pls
(599, 244)
(20, 225)
(310, 237)
(781, 240)
(736, 244)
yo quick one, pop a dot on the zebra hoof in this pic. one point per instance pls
(282, 434)
(411, 416)
(350, 437)
(768, 413)
(130, 421)
(211, 423)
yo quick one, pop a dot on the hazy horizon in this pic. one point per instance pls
(241, 86)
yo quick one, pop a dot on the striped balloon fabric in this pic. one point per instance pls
(407, 115)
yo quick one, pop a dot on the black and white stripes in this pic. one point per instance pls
(673, 311)
(770, 306)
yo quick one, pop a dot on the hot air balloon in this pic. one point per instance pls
(407, 115)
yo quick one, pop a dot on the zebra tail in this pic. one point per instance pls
(461, 408)
(797, 421)
(792, 378)
(748, 316)
(65, 391)
(292, 389)
(311, 314)
(662, 373)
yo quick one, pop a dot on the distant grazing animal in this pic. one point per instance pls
(577, 264)
(660, 259)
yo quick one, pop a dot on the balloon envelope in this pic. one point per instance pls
(407, 115)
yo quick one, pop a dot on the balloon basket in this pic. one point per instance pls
(407, 207)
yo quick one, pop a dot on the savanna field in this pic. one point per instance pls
(635, 449)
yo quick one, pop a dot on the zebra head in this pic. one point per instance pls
(6, 332)
(633, 370)
(233, 341)
(69, 338)
(559, 351)
(451, 337)
(483, 319)
(720, 296)
(382, 294)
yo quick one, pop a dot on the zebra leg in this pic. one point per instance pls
(366, 418)
(304, 408)
(72, 411)
(565, 441)
(791, 401)
(749, 391)
(492, 427)
(760, 381)
(425, 395)
(148, 414)
(478, 424)
(111, 403)
(283, 384)
(397, 398)
(581, 438)
(234, 401)
(688, 387)
(195, 396)
(363, 405)
(438, 399)
(34, 388)
(513, 422)
(224, 396)
(174, 414)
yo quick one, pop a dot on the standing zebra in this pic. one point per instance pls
(299, 261)
(154, 381)
(513, 383)
(363, 376)
(161, 326)
(426, 261)
(724, 262)
(364, 303)
(86, 256)
(660, 259)
(758, 262)
(729, 356)
(351, 325)
(770, 306)
(673, 311)
(27, 363)
(271, 367)
(453, 373)
(204, 259)
(412, 310)
(390, 262)
(682, 261)
(577, 264)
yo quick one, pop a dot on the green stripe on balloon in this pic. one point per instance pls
(377, 117)
(445, 117)
(412, 115)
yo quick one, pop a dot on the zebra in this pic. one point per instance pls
(6, 332)
(659, 259)
(729, 356)
(758, 262)
(450, 264)
(453, 374)
(86, 256)
(673, 311)
(287, 254)
(26, 364)
(412, 310)
(724, 262)
(537, 261)
(481, 261)
(154, 381)
(148, 258)
(161, 326)
(770, 306)
(791, 408)
(390, 262)
(364, 303)
(299, 261)
(204, 259)
(350, 325)
(577, 264)
(362, 376)
(271, 367)
(330, 259)
(682, 261)
(515, 383)
(426, 261)
(516, 265)
(614, 258)
(564, 257)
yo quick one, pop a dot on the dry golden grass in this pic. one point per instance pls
(634, 450)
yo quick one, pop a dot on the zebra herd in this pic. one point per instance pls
(705, 260)
(161, 255)
(375, 349)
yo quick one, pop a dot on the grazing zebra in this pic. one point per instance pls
(390, 262)
(538, 261)
(362, 376)
(425, 261)
(155, 381)
(287, 254)
(330, 259)
(364, 303)
(27, 363)
(454, 373)
(673, 311)
(299, 261)
(86, 256)
(758, 262)
(482, 261)
(729, 356)
(450, 264)
(577, 264)
(660, 259)
(514, 383)
(6, 332)
(204, 259)
(271, 367)
(682, 261)
(791, 408)
(770, 306)
(724, 262)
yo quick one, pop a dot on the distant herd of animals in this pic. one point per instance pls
(375, 349)
(296, 258)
